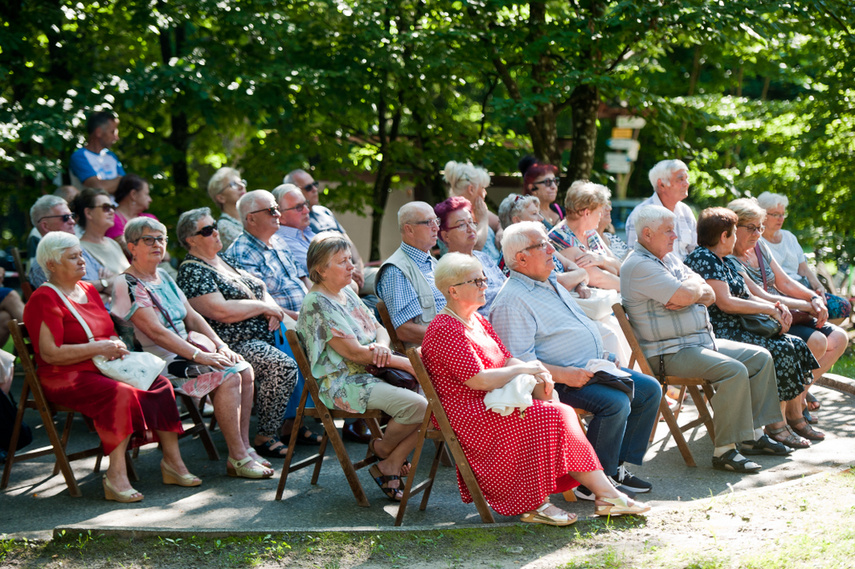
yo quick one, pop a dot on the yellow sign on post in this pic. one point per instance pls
(621, 133)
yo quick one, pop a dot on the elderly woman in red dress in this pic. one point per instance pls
(519, 460)
(69, 377)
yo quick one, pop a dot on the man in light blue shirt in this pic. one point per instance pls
(294, 222)
(537, 319)
(405, 281)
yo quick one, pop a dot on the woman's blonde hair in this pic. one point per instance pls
(458, 176)
(453, 267)
(747, 209)
(583, 195)
(321, 249)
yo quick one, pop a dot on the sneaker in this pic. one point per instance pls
(626, 479)
(583, 493)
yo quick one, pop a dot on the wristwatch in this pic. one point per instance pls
(104, 284)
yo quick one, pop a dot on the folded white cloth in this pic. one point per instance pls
(596, 365)
(515, 394)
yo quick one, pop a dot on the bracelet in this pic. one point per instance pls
(815, 296)
(196, 353)
(220, 347)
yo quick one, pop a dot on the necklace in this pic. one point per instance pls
(449, 312)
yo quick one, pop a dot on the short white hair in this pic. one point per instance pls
(283, 189)
(513, 205)
(43, 207)
(452, 268)
(652, 216)
(664, 170)
(409, 212)
(247, 203)
(519, 236)
(768, 200)
(458, 176)
(52, 246)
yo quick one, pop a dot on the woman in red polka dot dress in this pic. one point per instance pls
(518, 459)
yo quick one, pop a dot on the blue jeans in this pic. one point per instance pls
(620, 429)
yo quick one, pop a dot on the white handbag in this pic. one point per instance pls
(137, 369)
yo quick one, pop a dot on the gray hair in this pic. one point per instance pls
(283, 189)
(664, 170)
(289, 177)
(409, 212)
(452, 268)
(652, 216)
(747, 209)
(513, 205)
(768, 200)
(247, 202)
(52, 246)
(321, 249)
(215, 184)
(137, 226)
(187, 224)
(66, 192)
(459, 175)
(43, 207)
(517, 237)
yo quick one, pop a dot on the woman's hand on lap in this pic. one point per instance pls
(381, 354)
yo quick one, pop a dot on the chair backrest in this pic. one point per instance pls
(397, 344)
(27, 354)
(26, 287)
(637, 356)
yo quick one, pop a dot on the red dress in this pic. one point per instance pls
(518, 461)
(117, 409)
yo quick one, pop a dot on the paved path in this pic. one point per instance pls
(36, 502)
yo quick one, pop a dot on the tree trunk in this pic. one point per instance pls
(585, 101)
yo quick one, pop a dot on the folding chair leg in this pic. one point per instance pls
(676, 432)
(16, 434)
(441, 451)
(344, 460)
(204, 435)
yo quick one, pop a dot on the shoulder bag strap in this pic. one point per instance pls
(132, 280)
(73, 311)
(761, 264)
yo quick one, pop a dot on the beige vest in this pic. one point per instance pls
(417, 279)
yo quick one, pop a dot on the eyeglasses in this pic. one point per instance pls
(272, 210)
(150, 241)
(435, 221)
(314, 186)
(206, 231)
(753, 228)
(66, 217)
(547, 182)
(480, 282)
(233, 184)
(777, 215)
(298, 207)
(464, 225)
(543, 246)
(105, 207)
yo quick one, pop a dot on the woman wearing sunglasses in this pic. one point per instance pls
(240, 310)
(96, 215)
(163, 321)
(541, 180)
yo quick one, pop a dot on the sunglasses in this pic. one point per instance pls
(105, 207)
(272, 210)
(312, 186)
(298, 207)
(238, 184)
(150, 241)
(65, 217)
(207, 231)
(547, 182)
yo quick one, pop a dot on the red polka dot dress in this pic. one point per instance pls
(518, 460)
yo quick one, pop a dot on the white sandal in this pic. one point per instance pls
(539, 516)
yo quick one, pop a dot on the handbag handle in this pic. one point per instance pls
(71, 309)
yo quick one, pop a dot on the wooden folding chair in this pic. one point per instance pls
(198, 428)
(442, 437)
(397, 344)
(690, 384)
(331, 432)
(32, 397)
(26, 287)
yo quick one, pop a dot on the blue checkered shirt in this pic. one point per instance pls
(541, 321)
(399, 295)
(274, 265)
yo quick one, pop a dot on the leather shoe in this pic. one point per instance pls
(356, 431)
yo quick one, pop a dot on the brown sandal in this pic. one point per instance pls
(790, 440)
(803, 429)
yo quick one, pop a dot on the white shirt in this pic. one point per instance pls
(685, 226)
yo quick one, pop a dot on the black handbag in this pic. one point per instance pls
(395, 377)
(760, 324)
